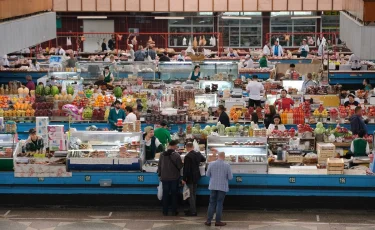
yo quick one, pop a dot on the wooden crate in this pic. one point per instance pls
(335, 166)
(294, 158)
(325, 147)
(335, 172)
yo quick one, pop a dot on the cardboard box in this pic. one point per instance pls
(57, 145)
(56, 132)
(42, 121)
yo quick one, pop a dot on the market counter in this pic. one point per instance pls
(350, 77)
(7, 76)
(146, 184)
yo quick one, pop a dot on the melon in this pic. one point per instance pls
(56, 97)
(117, 92)
(26, 91)
(70, 90)
(54, 90)
(47, 90)
(39, 90)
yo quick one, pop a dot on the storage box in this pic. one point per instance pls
(335, 166)
(57, 145)
(325, 147)
(56, 132)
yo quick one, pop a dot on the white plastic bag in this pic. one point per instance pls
(160, 191)
(186, 192)
(196, 146)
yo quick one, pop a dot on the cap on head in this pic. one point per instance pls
(164, 123)
(32, 131)
(148, 129)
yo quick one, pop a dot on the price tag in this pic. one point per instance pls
(239, 179)
(87, 178)
(140, 178)
(292, 180)
(342, 180)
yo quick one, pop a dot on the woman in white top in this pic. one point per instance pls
(266, 49)
(276, 125)
(130, 116)
(304, 49)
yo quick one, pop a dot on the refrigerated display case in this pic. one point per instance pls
(7, 146)
(246, 155)
(105, 151)
(219, 85)
(210, 99)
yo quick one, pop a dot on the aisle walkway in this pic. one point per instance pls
(78, 219)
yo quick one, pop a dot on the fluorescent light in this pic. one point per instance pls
(172, 18)
(305, 17)
(236, 17)
(92, 17)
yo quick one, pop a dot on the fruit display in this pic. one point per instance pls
(87, 113)
(304, 128)
(117, 91)
(235, 113)
(283, 134)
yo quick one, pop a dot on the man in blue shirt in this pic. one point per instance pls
(219, 173)
(356, 122)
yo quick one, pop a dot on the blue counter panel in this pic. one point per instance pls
(5, 76)
(146, 183)
(350, 77)
(263, 76)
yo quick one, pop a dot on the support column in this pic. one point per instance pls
(266, 19)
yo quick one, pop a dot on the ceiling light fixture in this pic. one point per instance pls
(171, 18)
(91, 17)
(236, 17)
(305, 17)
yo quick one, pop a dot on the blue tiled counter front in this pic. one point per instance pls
(350, 77)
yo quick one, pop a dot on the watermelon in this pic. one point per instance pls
(47, 90)
(117, 92)
(54, 90)
(70, 90)
(39, 90)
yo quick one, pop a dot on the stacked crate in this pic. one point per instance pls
(335, 166)
(325, 151)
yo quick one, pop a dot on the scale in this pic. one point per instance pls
(234, 102)
(237, 93)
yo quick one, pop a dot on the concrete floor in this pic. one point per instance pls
(136, 219)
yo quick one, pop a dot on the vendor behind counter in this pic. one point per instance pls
(34, 142)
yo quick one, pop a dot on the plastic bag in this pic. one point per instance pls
(160, 191)
(186, 192)
(196, 146)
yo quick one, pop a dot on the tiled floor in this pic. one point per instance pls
(82, 219)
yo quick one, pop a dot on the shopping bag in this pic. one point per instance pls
(160, 191)
(186, 192)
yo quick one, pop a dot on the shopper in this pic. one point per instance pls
(104, 45)
(367, 85)
(170, 165)
(284, 102)
(164, 58)
(254, 88)
(152, 143)
(277, 125)
(266, 49)
(30, 84)
(268, 117)
(304, 49)
(163, 133)
(34, 142)
(150, 52)
(71, 63)
(115, 114)
(232, 53)
(181, 56)
(130, 116)
(223, 116)
(355, 62)
(140, 54)
(192, 175)
(309, 82)
(255, 120)
(112, 42)
(131, 52)
(277, 50)
(219, 173)
(351, 101)
(249, 63)
(196, 74)
(357, 123)
(359, 146)
(263, 62)
(108, 77)
(60, 51)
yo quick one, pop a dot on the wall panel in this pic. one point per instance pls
(176, 5)
(88, 5)
(235, 5)
(310, 5)
(280, 5)
(294, 5)
(265, 5)
(118, 5)
(162, 6)
(191, 6)
(220, 5)
(147, 5)
(59, 5)
(250, 5)
(13, 8)
(103, 5)
(132, 5)
(206, 5)
(324, 5)
(337, 5)
(74, 5)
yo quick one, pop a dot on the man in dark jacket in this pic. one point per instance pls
(192, 175)
(357, 123)
(170, 165)
(112, 42)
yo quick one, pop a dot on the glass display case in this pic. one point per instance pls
(209, 99)
(219, 85)
(91, 71)
(182, 70)
(7, 146)
(247, 155)
(105, 151)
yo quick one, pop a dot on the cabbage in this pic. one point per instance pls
(228, 129)
(319, 125)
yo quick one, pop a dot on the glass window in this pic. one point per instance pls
(281, 21)
(186, 21)
(230, 22)
(242, 33)
(310, 21)
(203, 20)
(280, 13)
(303, 13)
